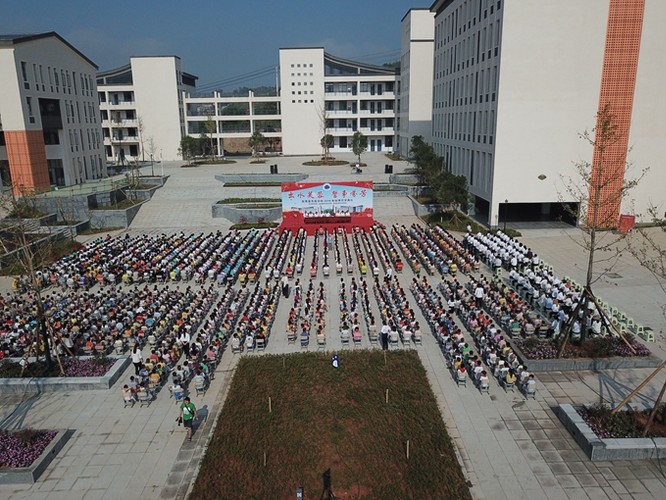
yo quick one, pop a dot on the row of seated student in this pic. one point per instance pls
(96, 321)
(500, 250)
(347, 250)
(441, 249)
(390, 250)
(370, 322)
(509, 309)
(297, 254)
(254, 326)
(350, 318)
(369, 239)
(450, 247)
(314, 314)
(279, 256)
(413, 254)
(396, 313)
(294, 314)
(259, 251)
(494, 349)
(145, 258)
(362, 243)
(361, 260)
(314, 263)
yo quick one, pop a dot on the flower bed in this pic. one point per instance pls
(22, 448)
(83, 374)
(74, 367)
(598, 446)
(593, 348)
(623, 424)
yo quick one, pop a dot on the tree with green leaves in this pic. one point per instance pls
(327, 142)
(188, 148)
(359, 144)
(256, 140)
(427, 164)
(441, 184)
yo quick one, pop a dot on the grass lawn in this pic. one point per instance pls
(325, 418)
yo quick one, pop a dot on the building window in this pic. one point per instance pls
(24, 72)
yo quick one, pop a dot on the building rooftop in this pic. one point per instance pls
(15, 39)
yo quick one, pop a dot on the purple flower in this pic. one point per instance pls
(22, 448)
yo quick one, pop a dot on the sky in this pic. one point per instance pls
(223, 42)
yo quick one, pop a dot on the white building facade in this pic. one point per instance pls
(323, 94)
(50, 132)
(142, 109)
(414, 92)
(516, 82)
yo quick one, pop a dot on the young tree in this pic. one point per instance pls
(140, 129)
(359, 144)
(208, 128)
(29, 257)
(256, 139)
(599, 189)
(188, 148)
(327, 142)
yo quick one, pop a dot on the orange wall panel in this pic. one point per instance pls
(27, 160)
(618, 81)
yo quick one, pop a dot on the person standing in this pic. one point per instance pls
(188, 412)
(137, 360)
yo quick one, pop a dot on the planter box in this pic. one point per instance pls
(237, 212)
(421, 210)
(261, 177)
(65, 384)
(598, 449)
(590, 364)
(31, 474)
(101, 218)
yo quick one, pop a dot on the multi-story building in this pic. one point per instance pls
(515, 82)
(142, 108)
(414, 96)
(319, 94)
(322, 94)
(50, 130)
(235, 118)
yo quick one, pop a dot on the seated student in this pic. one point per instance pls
(235, 343)
(128, 394)
(461, 374)
(199, 380)
(357, 334)
(178, 374)
(530, 384)
(133, 384)
(510, 378)
(484, 382)
(155, 377)
(176, 389)
(344, 332)
(249, 341)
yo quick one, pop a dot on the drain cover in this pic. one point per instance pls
(613, 276)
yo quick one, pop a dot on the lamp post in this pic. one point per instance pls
(506, 213)
(152, 166)
(162, 163)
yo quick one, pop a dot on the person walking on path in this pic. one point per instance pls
(137, 359)
(188, 412)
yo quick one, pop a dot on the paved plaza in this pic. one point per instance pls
(509, 447)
